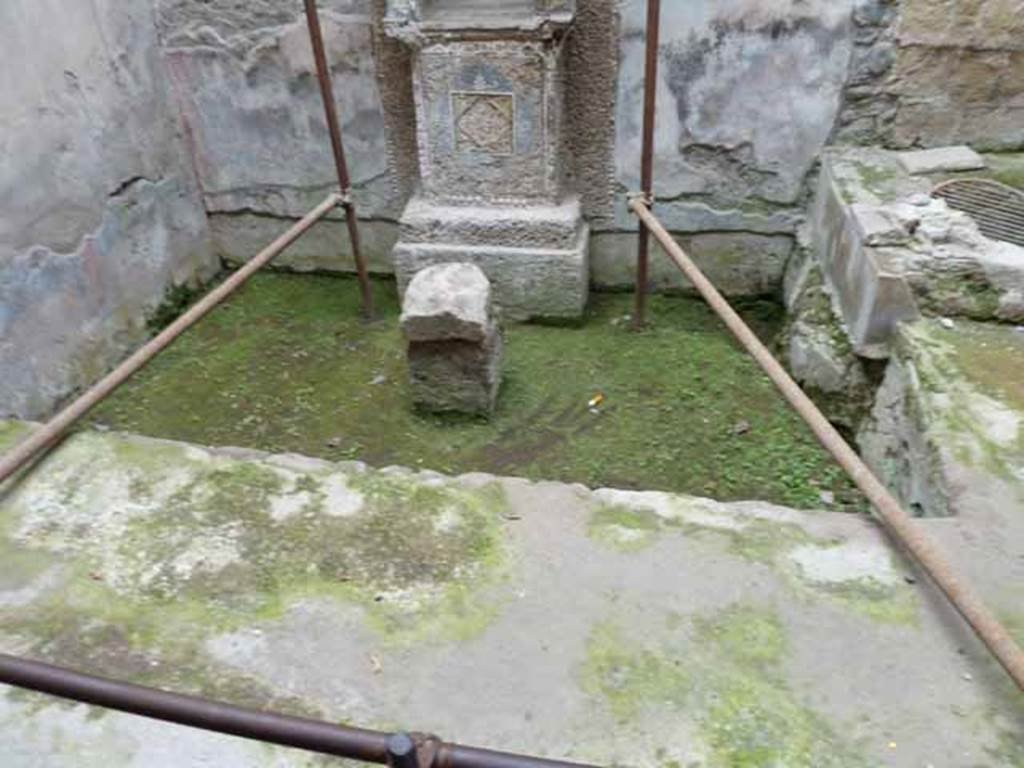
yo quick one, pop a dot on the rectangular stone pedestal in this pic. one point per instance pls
(495, 191)
(535, 256)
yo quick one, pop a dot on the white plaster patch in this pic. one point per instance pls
(999, 423)
(852, 561)
(49, 579)
(194, 453)
(706, 513)
(339, 499)
(288, 505)
(448, 520)
(212, 553)
(626, 535)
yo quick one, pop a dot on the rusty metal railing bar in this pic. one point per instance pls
(52, 430)
(910, 536)
(647, 155)
(401, 750)
(323, 76)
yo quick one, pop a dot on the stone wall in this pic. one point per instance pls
(937, 72)
(246, 82)
(750, 91)
(99, 211)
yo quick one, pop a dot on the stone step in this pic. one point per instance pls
(616, 627)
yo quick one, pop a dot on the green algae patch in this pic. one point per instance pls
(628, 678)
(1005, 167)
(1009, 752)
(721, 675)
(749, 636)
(625, 529)
(971, 395)
(286, 365)
(126, 578)
(629, 522)
(884, 603)
(878, 177)
(173, 544)
(414, 557)
(12, 432)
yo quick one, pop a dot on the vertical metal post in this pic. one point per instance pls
(647, 155)
(323, 74)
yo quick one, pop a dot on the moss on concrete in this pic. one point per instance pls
(723, 676)
(209, 545)
(627, 678)
(884, 603)
(1004, 167)
(11, 432)
(623, 528)
(879, 179)
(969, 376)
(969, 295)
(758, 539)
(287, 366)
(1009, 752)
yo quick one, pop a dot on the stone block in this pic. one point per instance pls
(489, 115)
(738, 263)
(527, 282)
(455, 345)
(447, 301)
(941, 159)
(890, 253)
(455, 375)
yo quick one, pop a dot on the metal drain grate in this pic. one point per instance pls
(998, 209)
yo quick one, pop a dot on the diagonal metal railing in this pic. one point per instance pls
(401, 749)
(902, 527)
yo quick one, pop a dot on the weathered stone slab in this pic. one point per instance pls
(946, 426)
(941, 159)
(890, 252)
(527, 282)
(329, 589)
(447, 301)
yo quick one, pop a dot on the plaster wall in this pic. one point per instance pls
(99, 211)
(246, 83)
(748, 93)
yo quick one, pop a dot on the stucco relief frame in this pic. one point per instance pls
(513, 134)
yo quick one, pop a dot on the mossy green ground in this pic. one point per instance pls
(286, 365)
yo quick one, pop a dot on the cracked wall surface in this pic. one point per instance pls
(244, 77)
(748, 92)
(101, 215)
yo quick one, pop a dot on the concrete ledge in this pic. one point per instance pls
(535, 226)
(528, 283)
(334, 590)
(889, 252)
